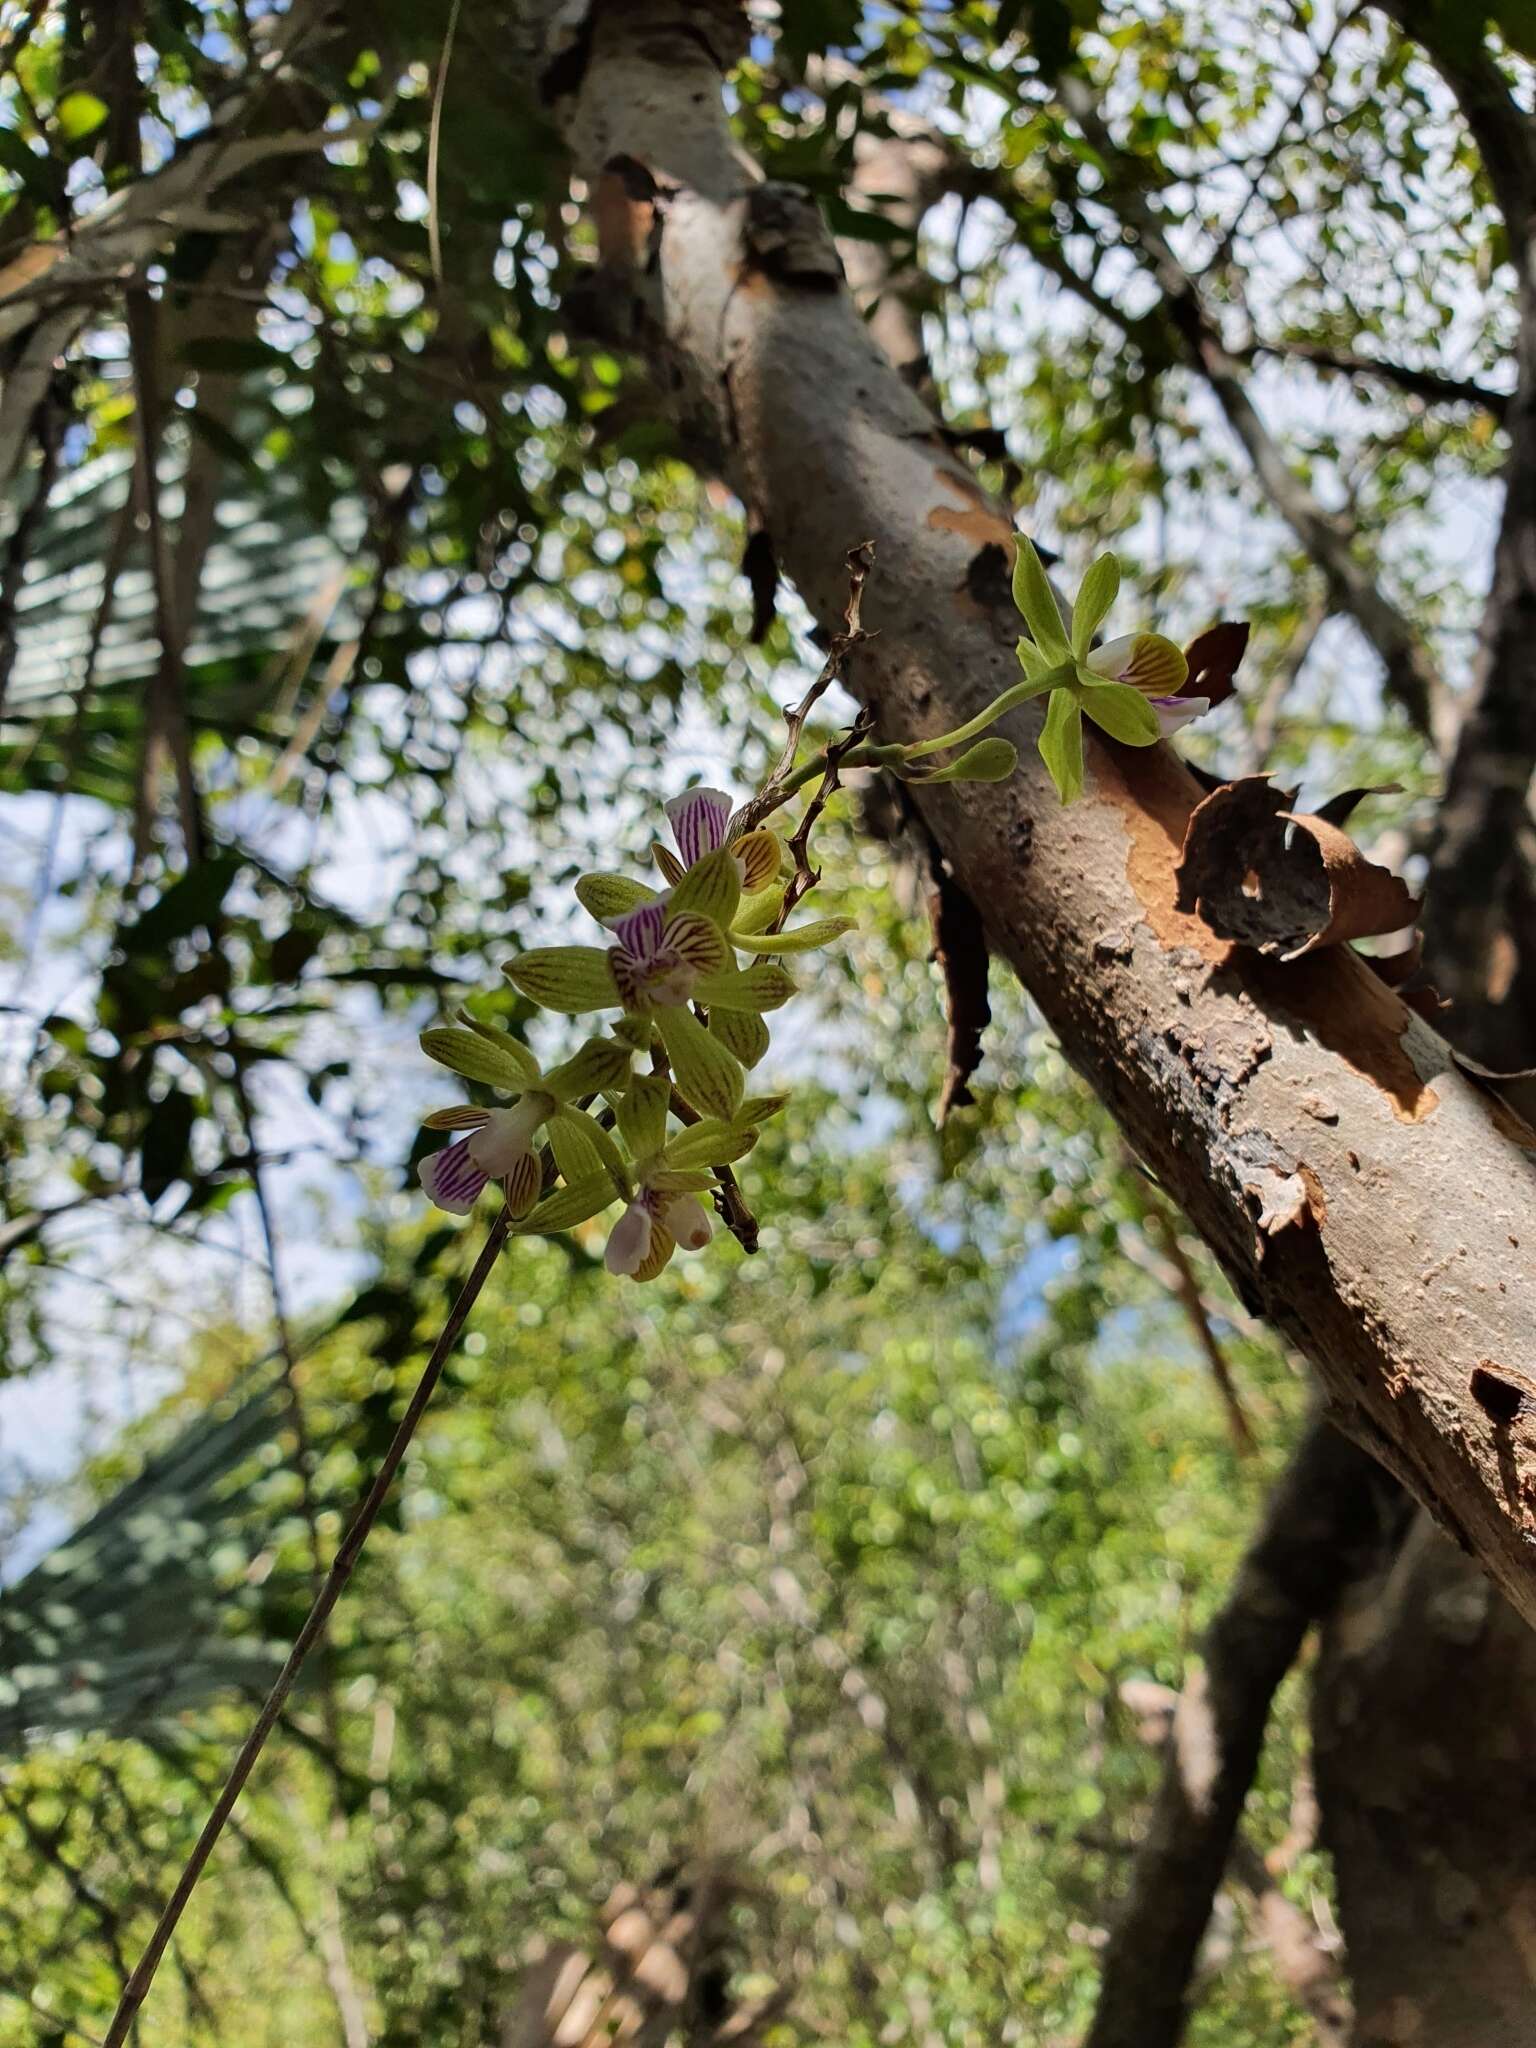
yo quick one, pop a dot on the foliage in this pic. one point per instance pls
(830, 1562)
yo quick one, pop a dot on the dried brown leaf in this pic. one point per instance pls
(1282, 881)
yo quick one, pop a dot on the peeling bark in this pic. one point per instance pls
(1212, 1059)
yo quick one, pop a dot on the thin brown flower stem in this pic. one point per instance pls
(783, 782)
(137, 1986)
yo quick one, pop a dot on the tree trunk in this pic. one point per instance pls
(1424, 1726)
(1377, 1205)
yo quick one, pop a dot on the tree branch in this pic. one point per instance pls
(1228, 1072)
(1325, 1507)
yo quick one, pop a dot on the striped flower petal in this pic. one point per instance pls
(699, 818)
(522, 1184)
(758, 855)
(452, 1179)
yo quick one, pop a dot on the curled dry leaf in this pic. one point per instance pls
(1213, 657)
(1282, 881)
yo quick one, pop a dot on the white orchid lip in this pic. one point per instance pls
(507, 1135)
(629, 1241)
(687, 1220)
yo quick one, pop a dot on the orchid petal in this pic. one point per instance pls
(570, 1205)
(581, 1147)
(464, 1116)
(522, 1183)
(640, 932)
(1125, 714)
(452, 1178)
(667, 1181)
(671, 867)
(478, 1058)
(600, 1063)
(662, 1246)
(687, 1222)
(711, 1142)
(571, 979)
(629, 1241)
(711, 888)
(757, 1109)
(1145, 661)
(611, 896)
(1034, 597)
(699, 942)
(762, 986)
(741, 1032)
(708, 1075)
(699, 819)
(1096, 593)
(759, 856)
(642, 1113)
(1174, 713)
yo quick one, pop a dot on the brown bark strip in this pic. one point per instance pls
(1211, 1059)
(1323, 1510)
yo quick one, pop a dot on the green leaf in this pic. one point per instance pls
(1099, 589)
(642, 1114)
(80, 114)
(571, 979)
(708, 1076)
(761, 987)
(1033, 595)
(1123, 713)
(1061, 744)
(711, 1142)
(991, 760)
(507, 1065)
(611, 895)
(571, 1205)
(599, 1064)
(804, 938)
(711, 888)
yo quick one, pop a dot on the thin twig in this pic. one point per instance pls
(434, 137)
(1187, 1291)
(137, 1987)
(729, 1199)
(779, 786)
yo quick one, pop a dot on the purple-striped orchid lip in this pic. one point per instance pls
(452, 1179)
(700, 821)
(641, 934)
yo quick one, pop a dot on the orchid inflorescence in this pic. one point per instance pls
(691, 1022)
(649, 1114)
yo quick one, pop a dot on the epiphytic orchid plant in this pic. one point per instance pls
(652, 1114)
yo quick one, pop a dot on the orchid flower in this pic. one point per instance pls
(670, 951)
(702, 822)
(1129, 687)
(665, 1213)
(499, 1144)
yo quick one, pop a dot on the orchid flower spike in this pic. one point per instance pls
(500, 1144)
